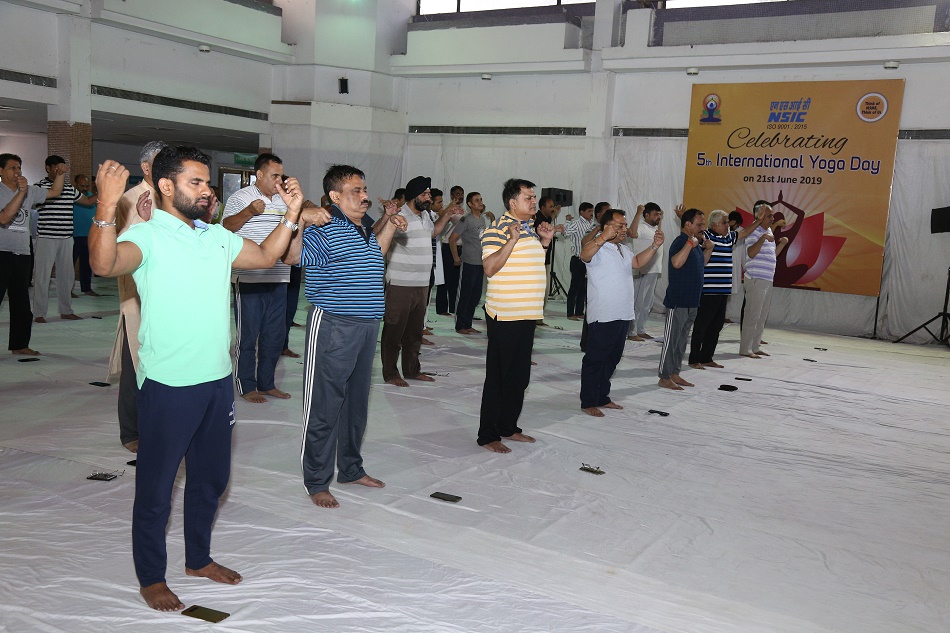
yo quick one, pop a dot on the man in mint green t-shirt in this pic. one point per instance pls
(182, 268)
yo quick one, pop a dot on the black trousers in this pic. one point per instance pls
(577, 293)
(470, 291)
(710, 318)
(446, 295)
(605, 343)
(507, 374)
(15, 274)
(293, 299)
(81, 257)
(128, 394)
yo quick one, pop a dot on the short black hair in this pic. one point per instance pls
(609, 214)
(399, 193)
(736, 217)
(170, 162)
(265, 158)
(6, 158)
(471, 194)
(455, 188)
(544, 200)
(336, 175)
(54, 160)
(600, 206)
(690, 216)
(585, 206)
(651, 206)
(512, 188)
(434, 193)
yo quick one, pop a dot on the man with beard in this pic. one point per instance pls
(182, 268)
(407, 283)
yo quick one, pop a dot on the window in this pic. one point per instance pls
(454, 6)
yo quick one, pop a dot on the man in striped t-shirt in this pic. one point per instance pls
(759, 273)
(513, 260)
(407, 284)
(54, 244)
(260, 296)
(343, 260)
(717, 288)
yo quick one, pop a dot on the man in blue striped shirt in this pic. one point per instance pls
(717, 287)
(343, 262)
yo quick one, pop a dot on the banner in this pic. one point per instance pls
(821, 152)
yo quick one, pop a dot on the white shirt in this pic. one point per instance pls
(645, 234)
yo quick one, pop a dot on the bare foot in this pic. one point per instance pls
(423, 378)
(254, 396)
(713, 363)
(324, 499)
(763, 343)
(593, 411)
(132, 446)
(697, 366)
(399, 382)
(217, 573)
(289, 353)
(666, 383)
(426, 341)
(521, 437)
(681, 381)
(70, 317)
(366, 480)
(496, 447)
(612, 405)
(161, 598)
(39, 320)
(750, 356)
(277, 393)
(761, 353)
(25, 351)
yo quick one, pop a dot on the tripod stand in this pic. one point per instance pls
(944, 317)
(556, 286)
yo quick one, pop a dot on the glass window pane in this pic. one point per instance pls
(437, 6)
(488, 5)
(682, 4)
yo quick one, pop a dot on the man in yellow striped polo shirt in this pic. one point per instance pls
(513, 261)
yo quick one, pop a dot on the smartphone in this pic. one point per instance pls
(446, 497)
(204, 613)
(102, 476)
(99, 384)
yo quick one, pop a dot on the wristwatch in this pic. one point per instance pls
(290, 225)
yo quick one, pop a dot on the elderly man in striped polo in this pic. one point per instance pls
(407, 284)
(513, 260)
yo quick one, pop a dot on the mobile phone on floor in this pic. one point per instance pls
(204, 613)
(446, 497)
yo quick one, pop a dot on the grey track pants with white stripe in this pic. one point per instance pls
(338, 367)
(679, 321)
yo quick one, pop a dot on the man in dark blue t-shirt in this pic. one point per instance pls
(682, 295)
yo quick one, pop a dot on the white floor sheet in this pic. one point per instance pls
(814, 498)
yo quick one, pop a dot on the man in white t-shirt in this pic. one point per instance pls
(260, 296)
(643, 228)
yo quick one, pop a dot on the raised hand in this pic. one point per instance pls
(658, 238)
(314, 215)
(680, 210)
(708, 245)
(257, 207)
(456, 211)
(111, 180)
(22, 183)
(389, 206)
(559, 229)
(609, 233)
(783, 241)
(545, 231)
(143, 206)
(514, 231)
(399, 222)
(289, 192)
(769, 237)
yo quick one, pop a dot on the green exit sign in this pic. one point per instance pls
(244, 159)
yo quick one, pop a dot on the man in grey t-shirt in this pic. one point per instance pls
(469, 231)
(17, 197)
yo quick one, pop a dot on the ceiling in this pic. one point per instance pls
(18, 118)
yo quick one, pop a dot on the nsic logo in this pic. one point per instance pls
(787, 117)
